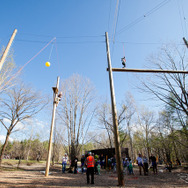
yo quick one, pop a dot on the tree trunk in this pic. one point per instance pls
(110, 140)
(131, 142)
(19, 162)
(4, 146)
(29, 149)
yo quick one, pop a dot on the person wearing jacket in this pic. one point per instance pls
(90, 163)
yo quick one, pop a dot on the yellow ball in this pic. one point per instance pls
(47, 63)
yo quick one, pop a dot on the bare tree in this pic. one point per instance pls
(147, 125)
(172, 90)
(20, 104)
(129, 113)
(101, 140)
(76, 111)
(170, 87)
(58, 143)
(104, 115)
(7, 78)
(177, 138)
(162, 126)
(105, 119)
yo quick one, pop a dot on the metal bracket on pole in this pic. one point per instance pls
(55, 89)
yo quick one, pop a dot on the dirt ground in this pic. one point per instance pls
(33, 176)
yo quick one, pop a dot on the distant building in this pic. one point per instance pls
(110, 152)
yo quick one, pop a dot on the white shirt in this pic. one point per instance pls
(65, 159)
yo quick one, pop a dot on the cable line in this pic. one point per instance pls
(116, 19)
(30, 61)
(51, 51)
(86, 42)
(116, 15)
(57, 57)
(109, 14)
(182, 18)
(179, 10)
(144, 43)
(38, 41)
(79, 36)
(139, 19)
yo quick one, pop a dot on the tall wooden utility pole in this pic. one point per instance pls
(3, 57)
(115, 121)
(55, 103)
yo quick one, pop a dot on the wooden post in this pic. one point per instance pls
(55, 102)
(3, 57)
(115, 121)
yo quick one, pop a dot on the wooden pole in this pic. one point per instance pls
(147, 70)
(55, 102)
(115, 121)
(3, 57)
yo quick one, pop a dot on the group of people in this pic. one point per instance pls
(88, 161)
(143, 163)
(91, 164)
(127, 166)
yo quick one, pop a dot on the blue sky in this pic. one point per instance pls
(79, 27)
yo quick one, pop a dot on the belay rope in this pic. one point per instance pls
(123, 60)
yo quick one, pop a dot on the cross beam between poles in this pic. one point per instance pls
(147, 70)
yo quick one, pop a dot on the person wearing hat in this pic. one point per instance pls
(64, 163)
(90, 163)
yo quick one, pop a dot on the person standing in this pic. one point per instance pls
(154, 163)
(96, 163)
(98, 168)
(109, 163)
(75, 164)
(114, 163)
(124, 165)
(64, 163)
(130, 167)
(140, 163)
(102, 161)
(123, 60)
(90, 163)
(83, 162)
(145, 160)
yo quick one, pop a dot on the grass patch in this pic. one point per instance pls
(11, 169)
(13, 162)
